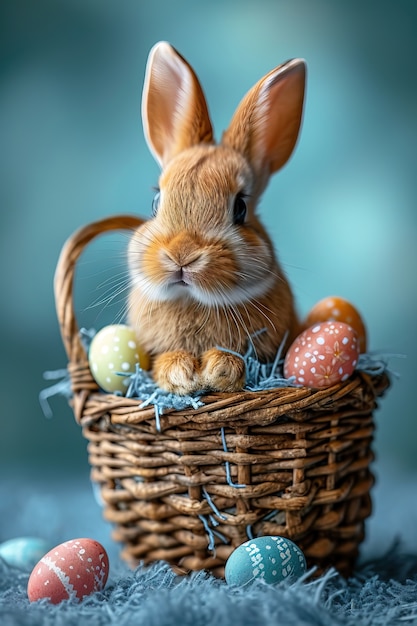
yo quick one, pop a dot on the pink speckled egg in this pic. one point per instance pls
(72, 570)
(323, 355)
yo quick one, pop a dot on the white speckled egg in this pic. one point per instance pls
(114, 350)
(271, 558)
(24, 552)
(323, 355)
(71, 571)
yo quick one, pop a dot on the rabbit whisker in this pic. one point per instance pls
(111, 294)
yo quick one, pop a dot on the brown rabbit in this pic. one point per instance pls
(203, 270)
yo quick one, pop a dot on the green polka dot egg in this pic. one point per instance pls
(115, 351)
(270, 558)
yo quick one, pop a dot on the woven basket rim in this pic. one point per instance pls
(233, 407)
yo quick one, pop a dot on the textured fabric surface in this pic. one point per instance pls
(383, 590)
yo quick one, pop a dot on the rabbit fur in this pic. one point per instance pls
(204, 277)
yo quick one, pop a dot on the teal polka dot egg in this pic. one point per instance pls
(115, 351)
(270, 558)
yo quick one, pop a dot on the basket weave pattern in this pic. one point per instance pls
(188, 490)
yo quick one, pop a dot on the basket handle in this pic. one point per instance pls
(64, 278)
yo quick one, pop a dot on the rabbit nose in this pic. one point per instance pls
(181, 258)
(183, 275)
(183, 272)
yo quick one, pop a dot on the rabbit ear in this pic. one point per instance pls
(174, 109)
(266, 123)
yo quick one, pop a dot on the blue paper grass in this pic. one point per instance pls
(259, 377)
(62, 388)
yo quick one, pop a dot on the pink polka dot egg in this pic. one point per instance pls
(323, 355)
(70, 571)
(113, 355)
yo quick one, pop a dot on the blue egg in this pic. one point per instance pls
(270, 558)
(24, 552)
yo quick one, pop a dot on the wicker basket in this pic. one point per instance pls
(286, 461)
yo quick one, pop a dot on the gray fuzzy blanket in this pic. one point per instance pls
(383, 590)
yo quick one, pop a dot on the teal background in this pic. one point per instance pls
(342, 212)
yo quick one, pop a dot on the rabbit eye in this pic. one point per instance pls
(155, 203)
(239, 210)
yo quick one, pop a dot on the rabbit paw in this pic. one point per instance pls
(222, 371)
(177, 372)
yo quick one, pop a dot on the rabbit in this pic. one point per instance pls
(204, 278)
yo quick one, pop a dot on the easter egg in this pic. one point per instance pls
(335, 308)
(72, 570)
(323, 355)
(115, 351)
(24, 552)
(271, 558)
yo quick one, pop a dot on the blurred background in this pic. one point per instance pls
(342, 212)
